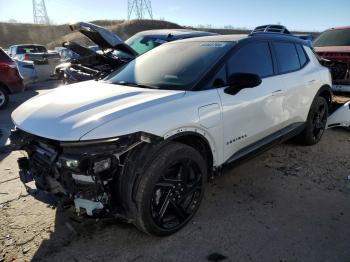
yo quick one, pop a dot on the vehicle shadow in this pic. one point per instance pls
(82, 238)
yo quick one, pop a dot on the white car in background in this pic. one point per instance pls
(27, 71)
(141, 143)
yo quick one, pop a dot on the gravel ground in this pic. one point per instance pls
(289, 204)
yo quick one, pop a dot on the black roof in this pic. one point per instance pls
(237, 38)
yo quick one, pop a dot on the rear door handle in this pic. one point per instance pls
(312, 81)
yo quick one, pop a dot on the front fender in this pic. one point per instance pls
(212, 141)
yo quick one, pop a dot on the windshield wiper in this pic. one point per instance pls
(137, 85)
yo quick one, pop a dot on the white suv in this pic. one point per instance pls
(141, 143)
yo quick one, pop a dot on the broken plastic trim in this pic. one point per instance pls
(340, 117)
(89, 142)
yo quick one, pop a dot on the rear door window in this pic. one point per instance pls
(287, 57)
(30, 49)
(254, 58)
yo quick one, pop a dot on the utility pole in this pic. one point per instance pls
(140, 8)
(39, 12)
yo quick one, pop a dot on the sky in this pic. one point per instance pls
(305, 15)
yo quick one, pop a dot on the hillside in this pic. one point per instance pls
(18, 33)
(124, 29)
(54, 35)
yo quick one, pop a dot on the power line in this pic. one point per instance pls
(40, 12)
(140, 8)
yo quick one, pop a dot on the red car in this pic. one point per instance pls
(10, 79)
(334, 45)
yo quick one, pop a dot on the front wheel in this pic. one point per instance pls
(316, 122)
(170, 190)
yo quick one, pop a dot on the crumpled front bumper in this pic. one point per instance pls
(82, 173)
(69, 177)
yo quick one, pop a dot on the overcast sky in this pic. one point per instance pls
(296, 15)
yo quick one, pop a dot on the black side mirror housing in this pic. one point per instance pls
(239, 81)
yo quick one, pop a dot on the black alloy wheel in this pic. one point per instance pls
(169, 190)
(319, 121)
(176, 195)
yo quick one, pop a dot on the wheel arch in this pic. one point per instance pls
(325, 91)
(5, 87)
(198, 142)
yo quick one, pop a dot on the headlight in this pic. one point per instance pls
(102, 165)
(68, 163)
(72, 163)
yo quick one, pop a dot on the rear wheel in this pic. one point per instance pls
(316, 122)
(4, 97)
(170, 190)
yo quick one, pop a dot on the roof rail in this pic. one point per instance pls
(271, 29)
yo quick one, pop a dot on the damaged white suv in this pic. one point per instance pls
(141, 143)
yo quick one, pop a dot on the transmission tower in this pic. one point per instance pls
(39, 12)
(140, 8)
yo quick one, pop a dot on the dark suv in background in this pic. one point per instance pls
(10, 79)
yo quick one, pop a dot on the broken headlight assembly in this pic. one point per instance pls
(102, 165)
(69, 163)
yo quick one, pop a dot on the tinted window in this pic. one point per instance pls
(335, 37)
(142, 44)
(31, 49)
(302, 55)
(287, 57)
(176, 65)
(253, 58)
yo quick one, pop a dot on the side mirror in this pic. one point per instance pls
(239, 81)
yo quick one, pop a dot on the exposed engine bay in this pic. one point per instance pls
(90, 64)
(340, 71)
(93, 64)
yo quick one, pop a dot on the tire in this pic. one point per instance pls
(4, 97)
(168, 195)
(316, 122)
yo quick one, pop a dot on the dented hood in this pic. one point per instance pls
(69, 112)
(102, 37)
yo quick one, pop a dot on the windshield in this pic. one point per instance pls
(142, 44)
(175, 66)
(31, 49)
(337, 37)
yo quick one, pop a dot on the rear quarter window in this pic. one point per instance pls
(302, 55)
(287, 57)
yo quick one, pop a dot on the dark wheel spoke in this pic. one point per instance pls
(177, 193)
(322, 112)
(179, 212)
(190, 191)
(164, 207)
(164, 185)
(184, 171)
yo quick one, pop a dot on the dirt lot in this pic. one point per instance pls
(291, 203)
